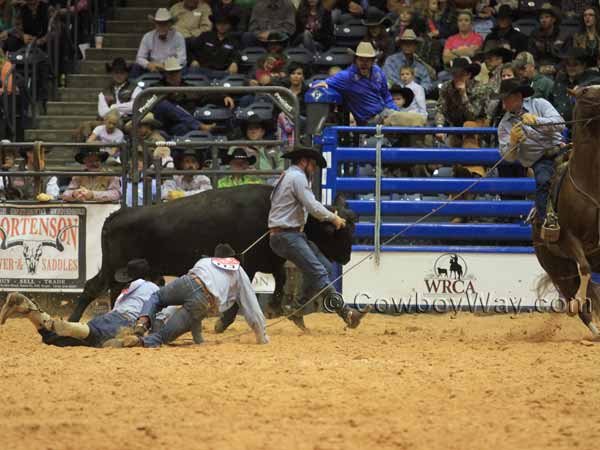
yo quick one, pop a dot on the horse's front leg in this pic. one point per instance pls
(574, 248)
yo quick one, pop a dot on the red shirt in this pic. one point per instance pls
(456, 40)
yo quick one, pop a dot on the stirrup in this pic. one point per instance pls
(550, 228)
(531, 216)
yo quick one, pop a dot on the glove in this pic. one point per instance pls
(174, 195)
(516, 135)
(529, 119)
(44, 197)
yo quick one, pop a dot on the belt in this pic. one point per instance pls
(213, 306)
(276, 230)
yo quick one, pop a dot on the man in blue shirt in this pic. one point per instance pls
(364, 87)
(100, 329)
(291, 202)
(521, 140)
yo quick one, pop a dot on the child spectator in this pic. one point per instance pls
(407, 75)
(109, 133)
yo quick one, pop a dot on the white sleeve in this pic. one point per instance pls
(144, 51)
(102, 105)
(249, 306)
(167, 187)
(421, 103)
(52, 187)
(126, 108)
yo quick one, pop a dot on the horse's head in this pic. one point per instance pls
(587, 103)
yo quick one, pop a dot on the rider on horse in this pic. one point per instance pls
(530, 132)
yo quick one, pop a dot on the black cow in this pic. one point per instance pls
(173, 236)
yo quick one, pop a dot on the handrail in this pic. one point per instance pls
(149, 97)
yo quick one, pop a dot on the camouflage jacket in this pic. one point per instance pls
(454, 109)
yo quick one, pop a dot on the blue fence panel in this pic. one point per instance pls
(449, 232)
(461, 208)
(399, 155)
(436, 185)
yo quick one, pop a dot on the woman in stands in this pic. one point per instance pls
(588, 37)
(314, 28)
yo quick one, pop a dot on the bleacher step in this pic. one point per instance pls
(122, 40)
(78, 94)
(146, 4)
(108, 54)
(62, 122)
(128, 26)
(88, 80)
(71, 108)
(139, 14)
(49, 135)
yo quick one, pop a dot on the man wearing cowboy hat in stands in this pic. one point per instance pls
(521, 140)
(215, 53)
(98, 188)
(238, 159)
(191, 18)
(291, 202)
(407, 57)
(212, 286)
(120, 93)
(186, 185)
(101, 328)
(505, 33)
(461, 99)
(494, 56)
(546, 42)
(159, 44)
(363, 87)
(24, 188)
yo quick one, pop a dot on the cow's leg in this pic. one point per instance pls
(93, 288)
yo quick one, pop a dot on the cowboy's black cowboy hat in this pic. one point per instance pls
(405, 92)
(86, 151)
(239, 153)
(302, 151)
(513, 86)
(135, 269)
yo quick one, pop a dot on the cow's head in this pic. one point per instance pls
(32, 250)
(336, 245)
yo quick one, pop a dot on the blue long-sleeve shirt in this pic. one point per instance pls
(365, 97)
(537, 139)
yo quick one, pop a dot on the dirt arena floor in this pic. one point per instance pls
(409, 382)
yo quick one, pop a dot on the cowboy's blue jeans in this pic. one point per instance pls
(315, 267)
(543, 170)
(183, 291)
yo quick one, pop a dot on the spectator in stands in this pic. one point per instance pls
(140, 190)
(354, 8)
(176, 120)
(461, 99)
(405, 21)
(120, 93)
(542, 85)
(504, 32)
(191, 18)
(363, 87)
(494, 55)
(27, 188)
(508, 71)
(99, 188)
(575, 74)
(377, 35)
(147, 129)
(314, 27)
(215, 53)
(432, 16)
(546, 42)
(6, 20)
(285, 127)
(447, 23)
(418, 106)
(109, 133)
(159, 44)
(173, 77)
(588, 37)
(238, 159)
(255, 129)
(5, 69)
(185, 185)
(408, 57)
(520, 140)
(227, 8)
(270, 16)
(466, 42)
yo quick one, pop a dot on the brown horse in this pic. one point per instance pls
(569, 262)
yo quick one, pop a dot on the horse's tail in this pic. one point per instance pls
(543, 285)
(595, 299)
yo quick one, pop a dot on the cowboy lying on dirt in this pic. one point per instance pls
(101, 328)
(520, 139)
(213, 285)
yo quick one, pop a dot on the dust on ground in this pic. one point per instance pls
(418, 381)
